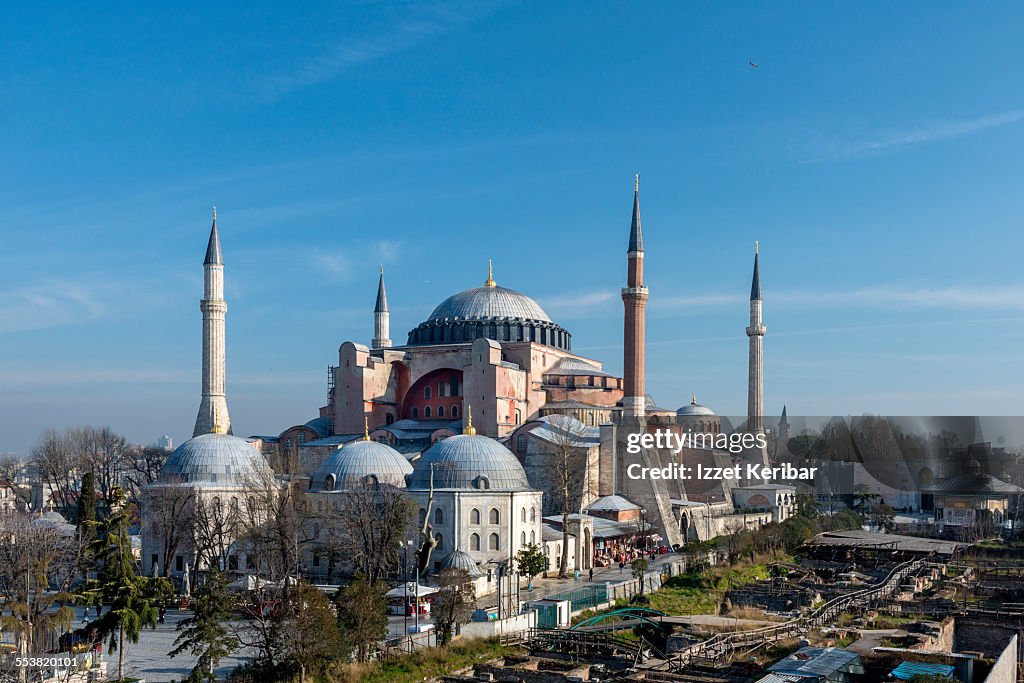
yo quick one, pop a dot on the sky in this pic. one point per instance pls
(875, 152)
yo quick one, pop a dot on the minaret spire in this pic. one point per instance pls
(756, 332)
(634, 300)
(213, 407)
(381, 317)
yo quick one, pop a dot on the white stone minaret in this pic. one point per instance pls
(213, 408)
(381, 317)
(755, 379)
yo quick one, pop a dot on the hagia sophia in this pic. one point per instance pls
(466, 417)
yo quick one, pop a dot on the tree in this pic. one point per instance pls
(11, 469)
(531, 561)
(362, 615)
(454, 602)
(170, 513)
(142, 467)
(132, 598)
(87, 504)
(58, 467)
(37, 565)
(565, 462)
(371, 521)
(204, 634)
(639, 566)
(308, 639)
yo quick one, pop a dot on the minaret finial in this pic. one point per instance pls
(757, 247)
(366, 429)
(636, 187)
(693, 400)
(215, 214)
(469, 428)
(489, 282)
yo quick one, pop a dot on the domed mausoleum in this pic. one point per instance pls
(360, 463)
(483, 505)
(214, 460)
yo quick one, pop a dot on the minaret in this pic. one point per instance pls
(755, 379)
(381, 317)
(213, 409)
(634, 299)
(784, 424)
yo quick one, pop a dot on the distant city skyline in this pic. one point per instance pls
(874, 153)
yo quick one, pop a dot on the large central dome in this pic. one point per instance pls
(490, 312)
(485, 303)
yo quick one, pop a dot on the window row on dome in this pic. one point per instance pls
(437, 332)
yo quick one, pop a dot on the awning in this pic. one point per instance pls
(410, 590)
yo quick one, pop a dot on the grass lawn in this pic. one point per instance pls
(703, 593)
(429, 663)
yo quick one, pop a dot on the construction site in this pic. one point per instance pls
(849, 607)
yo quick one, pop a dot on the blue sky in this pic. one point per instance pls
(875, 153)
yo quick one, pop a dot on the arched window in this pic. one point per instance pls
(522, 538)
(474, 516)
(474, 542)
(533, 538)
(455, 411)
(533, 514)
(423, 517)
(426, 411)
(426, 393)
(302, 438)
(493, 543)
(440, 541)
(494, 517)
(523, 514)
(440, 411)
(389, 419)
(438, 516)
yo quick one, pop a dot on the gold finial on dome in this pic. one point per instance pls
(693, 400)
(469, 428)
(366, 429)
(218, 428)
(489, 282)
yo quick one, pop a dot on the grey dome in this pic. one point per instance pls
(461, 560)
(214, 460)
(469, 461)
(486, 303)
(694, 409)
(355, 462)
(576, 366)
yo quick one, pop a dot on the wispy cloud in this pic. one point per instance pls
(50, 303)
(431, 21)
(336, 265)
(388, 250)
(577, 305)
(928, 132)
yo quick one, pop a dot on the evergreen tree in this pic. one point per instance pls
(87, 505)
(362, 615)
(132, 598)
(204, 634)
(531, 561)
(308, 639)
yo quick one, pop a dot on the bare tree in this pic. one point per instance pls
(103, 452)
(454, 602)
(142, 467)
(58, 466)
(38, 562)
(10, 478)
(563, 457)
(372, 521)
(170, 511)
(216, 526)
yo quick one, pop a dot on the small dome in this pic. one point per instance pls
(355, 462)
(214, 460)
(487, 303)
(461, 560)
(469, 461)
(694, 409)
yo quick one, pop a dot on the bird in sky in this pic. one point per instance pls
(754, 66)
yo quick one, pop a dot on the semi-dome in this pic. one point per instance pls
(461, 560)
(214, 460)
(490, 312)
(360, 462)
(694, 409)
(469, 461)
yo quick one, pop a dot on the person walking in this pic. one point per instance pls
(591, 574)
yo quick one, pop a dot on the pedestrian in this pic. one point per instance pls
(591, 575)
(576, 575)
(622, 566)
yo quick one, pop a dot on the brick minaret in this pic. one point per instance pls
(634, 298)
(755, 378)
(213, 408)
(381, 317)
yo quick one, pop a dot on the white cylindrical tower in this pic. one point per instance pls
(213, 407)
(381, 317)
(755, 378)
